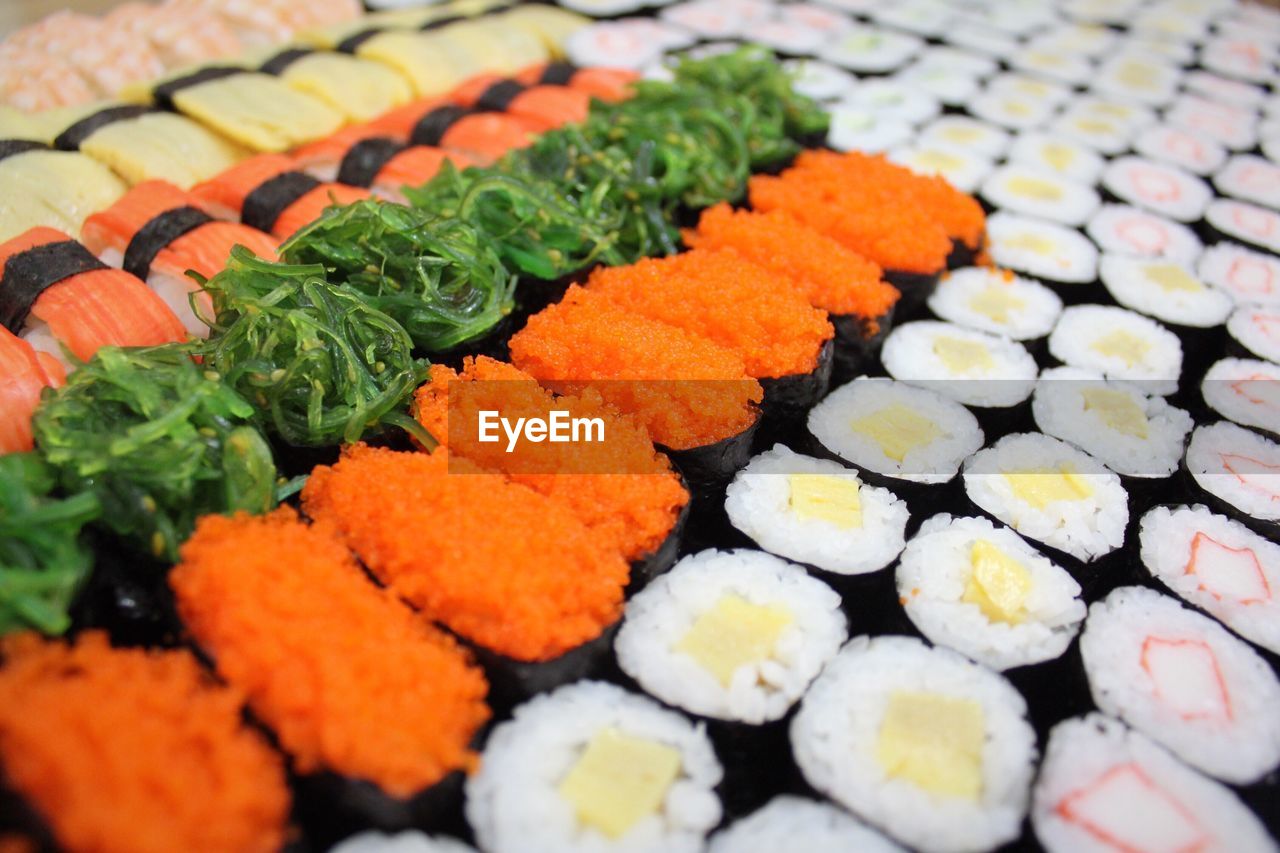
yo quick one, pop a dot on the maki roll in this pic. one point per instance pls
(996, 301)
(73, 715)
(1031, 191)
(1140, 79)
(1181, 679)
(610, 85)
(1256, 328)
(896, 430)
(1011, 111)
(963, 169)
(1249, 277)
(1157, 187)
(593, 767)
(970, 367)
(1244, 391)
(1239, 467)
(967, 134)
(1164, 289)
(731, 635)
(892, 99)
(933, 748)
(1067, 160)
(817, 512)
(27, 372)
(1060, 67)
(862, 130)
(358, 89)
(58, 297)
(787, 822)
(1124, 230)
(409, 841)
(1107, 134)
(1182, 148)
(982, 590)
(1227, 124)
(1051, 492)
(1250, 178)
(431, 61)
(1104, 786)
(818, 80)
(54, 189)
(1217, 565)
(1248, 223)
(1119, 344)
(869, 50)
(1041, 249)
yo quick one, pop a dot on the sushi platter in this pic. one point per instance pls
(640, 425)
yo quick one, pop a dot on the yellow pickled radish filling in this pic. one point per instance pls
(1137, 75)
(962, 135)
(1016, 108)
(1172, 278)
(825, 497)
(898, 430)
(1089, 125)
(998, 584)
(619, 781)
(1127, 347)
(734, 633)
(1036, 243)
(961, 356)
(996, 302)
(1117, 410)
(933, 741)
(939, 160)
(1034, 188)
(1041, 487)
(1060, 157)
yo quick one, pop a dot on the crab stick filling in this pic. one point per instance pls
(1228, 573)
(1186, 677)
(1127, 810)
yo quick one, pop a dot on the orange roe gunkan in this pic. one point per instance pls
(621, 488)
(687, 391)
(496, 562)
(348, 677)
(135, 751)
(830, 276)
(728, 300)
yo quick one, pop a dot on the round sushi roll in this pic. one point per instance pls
(1046, 250)
(996, 301)
(1246, 391)
(603, 8)
(1181, 679)
(896, 430)
(1105, 787)
(982, 590)
(1248, 223)
(963, 169)
(1157, 187)
(949, 87)
(981, 39)
(1249, 277)
(816, 511)
(1049, 491)
(732, 635)
(859, 129)
(1137, 78)
(611, 44)
(1218, 565)
(968, 134)
(1064, 159)
(1224, 123)
(923, 18)
(1239, 58)
(1032, 191)
(1179, 147)
(964, 63)
(1013, 111)
(593, 767)
(970, 367)
(1238, 467)
(893, 100)
(1029, 86)
(787, 37)
(1121, 229)
(1164, 289)
(1119, 344)
(1076, 38)
(1126, 113)
(409, 841)
(870, 50)
(819, 80)
(930, 747)
(1105, 134)
(796, 823)
(1133, 433)
(709, 20)
(1060, 67)
(1250, 178)
(1257, 329)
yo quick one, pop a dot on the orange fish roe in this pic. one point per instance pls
(495, 561)
(620, 488)
(348, 677)
(728, 300)
(135, 751)
(686, 390)
(830, 276)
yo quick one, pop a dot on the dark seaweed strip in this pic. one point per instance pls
(352, 43)
(432, 127)
(12, 147)
(442, 22)
(282, 60)
(558, 74)
(163, 94)
(160, 231)
(263, 206)
(366, 158)
(30, 273)
(499, 96)
(74, 136)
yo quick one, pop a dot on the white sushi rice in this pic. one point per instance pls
(1042, 249)
(1164, 289)
(513, 800)
(787, 37)
(858, 129)
(1158, 187)
(1076, 38)
(1029, 86)
(959, 61)
(1125, 230)
(718, 19)
(1016, 112)
(603, 8)
(1218, 565)
(870, 50)
(1068, 68)
(1086, 527)
(893, 100)
(1221, 56)
(1246, 391)
(835, 736)
(1227, 124)
(983, 39)
(758, 502)
(935, 461)
(1248, 222)
(949, 87)
(1224, 89)
(409, 841)
(1061, 409)
(963, 169)
(1031, 191)
(819, 80)
(916, 353)
(1107, 135)
(1249, 277)
(797, 823)
(1104, 786)
(996, 301)
(1184, 681)
(927, 18)
(967, 133)
(1238, 466)
(933, 576)
(1119, 344)
(1129, 115)
(661, 615)
(1179, 147)
(1064, 159)
(1250, 178)
(611, 44)
(1134, 78)
(1257, 329)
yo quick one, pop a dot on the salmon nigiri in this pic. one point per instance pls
(159, 232)
(24, 373)
(55, 294)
